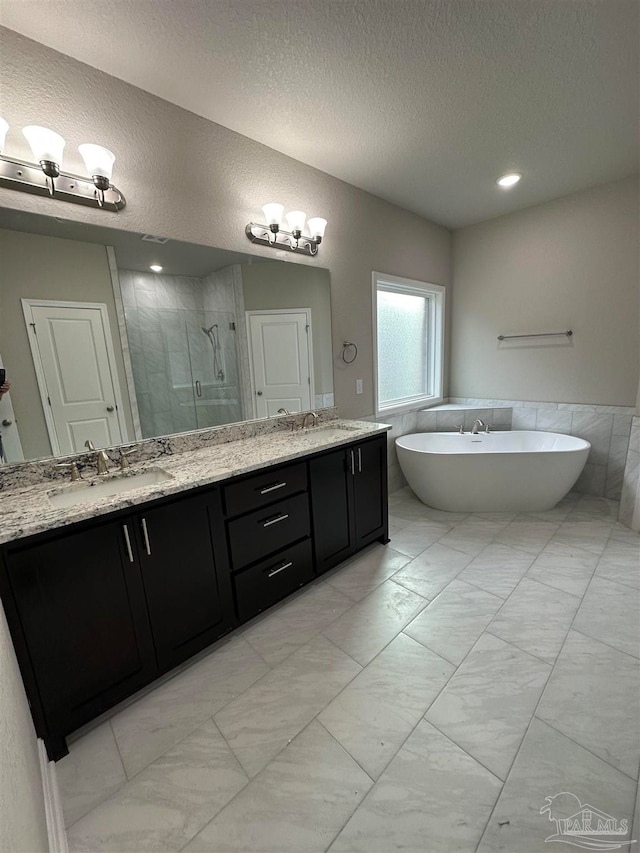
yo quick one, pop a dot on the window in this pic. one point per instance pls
(408, 335)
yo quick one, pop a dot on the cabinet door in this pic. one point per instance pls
(370, 491)
(189, 602)
(81, 606)
(331, 484)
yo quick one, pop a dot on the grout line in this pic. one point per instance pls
(604, 643)
(586, 748)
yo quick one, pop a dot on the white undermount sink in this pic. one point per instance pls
(84, 493)
(328, 432)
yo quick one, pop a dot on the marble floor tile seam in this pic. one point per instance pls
(266, 768)
(312, 637)
(564, 734)
(604, 643)
(466, 751)
(380, 777)
(417, 723)
(598, 639)
(581, 745)
(128, 779)
(549, 586)
(615, 580)
(519, 648)
(551, 667)
(506, 779)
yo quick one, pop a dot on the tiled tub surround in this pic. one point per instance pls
(26, 509)
(630, 501)
(606, 428)
(412, 699)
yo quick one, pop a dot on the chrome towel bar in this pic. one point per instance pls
(567, 334)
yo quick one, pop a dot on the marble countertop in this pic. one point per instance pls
(26, 510)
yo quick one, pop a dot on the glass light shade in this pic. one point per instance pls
(273, 213)
(296, 220)
(509, 180)
(97, 160)
(46, 144)
(317, 226)
(4, 127)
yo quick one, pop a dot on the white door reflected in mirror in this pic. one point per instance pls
(281, 359)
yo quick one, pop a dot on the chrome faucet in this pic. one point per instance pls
(101, 458)
(311, 415)
(476, 424)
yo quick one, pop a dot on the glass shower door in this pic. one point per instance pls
(214, 367)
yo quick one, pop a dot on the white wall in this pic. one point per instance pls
(569, 264)
(23, 827)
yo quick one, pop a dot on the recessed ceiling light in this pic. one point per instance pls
(155, 268)
(509, 180)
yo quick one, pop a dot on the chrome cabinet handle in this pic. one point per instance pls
(275, 520)
(6, 422)
(128, 542)
(145, 533)
(359, 461)
(110, 409)
(272, 488)
(353, 465)
(280, 568)
(198, 388)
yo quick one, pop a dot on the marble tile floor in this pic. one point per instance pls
(429, 695)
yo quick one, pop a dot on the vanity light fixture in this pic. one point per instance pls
(509, 180)
(48, 178)
(155, 268)
(273, 235)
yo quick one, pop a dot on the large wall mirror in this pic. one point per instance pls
(99, 346)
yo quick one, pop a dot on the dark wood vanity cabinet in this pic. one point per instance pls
(188, 599)
(99, 610)
(269, 548)
(80, 625)
(348, 500)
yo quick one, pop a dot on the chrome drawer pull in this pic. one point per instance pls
(272, 488)
(275, 520)
(359, 461)
(281, 568)
(128, 542)
(145, 533)
(353, 467)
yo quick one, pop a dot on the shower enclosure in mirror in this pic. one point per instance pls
(98, 347)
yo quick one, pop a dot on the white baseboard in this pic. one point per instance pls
(52, 803)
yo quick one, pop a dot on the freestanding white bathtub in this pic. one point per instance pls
(522, 471)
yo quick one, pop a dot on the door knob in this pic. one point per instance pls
(110, 408)
(6, 422)
(259, 393)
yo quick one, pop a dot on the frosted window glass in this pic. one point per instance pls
(402, 346)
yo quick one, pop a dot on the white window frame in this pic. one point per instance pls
(437, 294)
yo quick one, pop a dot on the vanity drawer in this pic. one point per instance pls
(265, 488)
(261, 586)
(268, 529)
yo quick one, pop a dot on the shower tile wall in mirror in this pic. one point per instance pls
(98, 347)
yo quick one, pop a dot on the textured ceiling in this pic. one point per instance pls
(421, 102)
